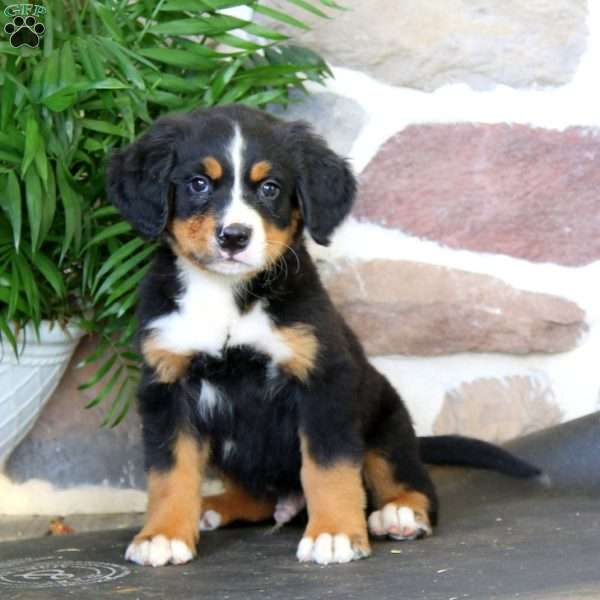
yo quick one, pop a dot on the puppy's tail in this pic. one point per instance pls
(469, 452)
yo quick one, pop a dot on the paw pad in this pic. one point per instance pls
(24, 31)
(399, 523)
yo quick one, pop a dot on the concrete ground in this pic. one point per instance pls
(498, 539)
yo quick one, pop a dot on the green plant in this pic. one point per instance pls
(103, 71)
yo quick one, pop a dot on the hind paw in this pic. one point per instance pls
(399, 522)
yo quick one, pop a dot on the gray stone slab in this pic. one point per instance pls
(568, 453)
(339, 120)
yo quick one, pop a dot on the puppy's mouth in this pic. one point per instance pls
(225, 264)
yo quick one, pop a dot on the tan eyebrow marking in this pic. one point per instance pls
(213, 167)
(260, 170)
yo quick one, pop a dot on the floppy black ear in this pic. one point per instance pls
(137, 180)
(324, 181)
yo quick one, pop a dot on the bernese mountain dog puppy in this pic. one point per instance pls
(248, 367)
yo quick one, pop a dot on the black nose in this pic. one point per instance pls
(234, 238)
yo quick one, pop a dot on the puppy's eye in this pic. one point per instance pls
(269, 190)
(200, 185)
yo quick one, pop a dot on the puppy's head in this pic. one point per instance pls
(230, 188)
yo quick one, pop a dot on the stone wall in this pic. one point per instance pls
(425, 44)
(470, 267)
(471, 264)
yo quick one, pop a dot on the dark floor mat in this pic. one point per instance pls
(498, 538)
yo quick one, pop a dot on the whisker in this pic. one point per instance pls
(279, 265)
(290, 249)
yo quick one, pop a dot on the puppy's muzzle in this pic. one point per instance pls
(234, 238)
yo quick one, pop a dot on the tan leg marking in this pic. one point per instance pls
(403, 512)
(260, 170)
(335, 501)
(169, 367)
(213, 167)
(234, 504)
(304, 346)
(174, 504)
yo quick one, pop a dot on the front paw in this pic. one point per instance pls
(326, 548)
(159, 550)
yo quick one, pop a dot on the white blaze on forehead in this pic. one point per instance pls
(240, 211)
(236, 155)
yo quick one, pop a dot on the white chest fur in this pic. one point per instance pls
(208, 320)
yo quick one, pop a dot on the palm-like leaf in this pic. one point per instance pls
(104, 70)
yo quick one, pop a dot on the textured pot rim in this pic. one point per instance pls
(50, 333)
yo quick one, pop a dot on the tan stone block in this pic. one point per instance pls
(402, 307)
(428, 43)
(497, 410)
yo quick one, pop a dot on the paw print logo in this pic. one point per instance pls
(24, 32)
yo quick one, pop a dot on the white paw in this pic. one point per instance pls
(159, 551)
(210, 520)
(288, 507)
(398, 522)
(328, 549)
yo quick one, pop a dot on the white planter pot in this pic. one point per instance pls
(27, 383)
